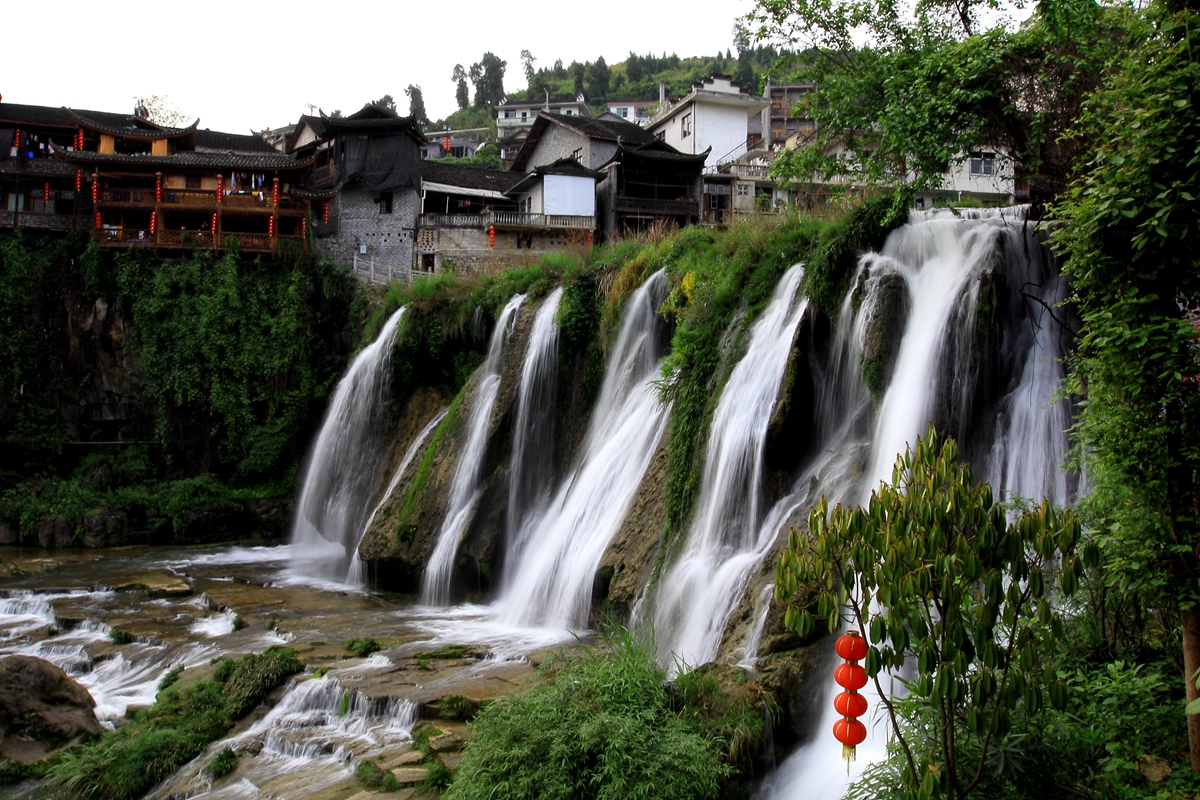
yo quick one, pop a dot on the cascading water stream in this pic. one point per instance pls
(552, 583)
(344, 466)
(699, 591)
(531, 467)
(435, 586)
(354, 576)
(943, 258)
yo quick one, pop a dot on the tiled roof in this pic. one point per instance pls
(564, 166)
(17, 113)
(469, 177)
(606, 129)
(237, 142)
(191, 160)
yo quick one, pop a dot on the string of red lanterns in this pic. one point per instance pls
(78, 179)
(325, 214)
(304, 228)
(153, 221)
(98, 222)
(491, 236)
(275, 192)
(95, 188)
(79, 139)
(214, 227)
(852, 648)
(271, 226)
(220, 187)
(158, 187)
(17, 138)
(46, 192)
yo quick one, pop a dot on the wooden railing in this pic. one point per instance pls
(638, 205)
(34, 166)
(141, 237)
(201, 198)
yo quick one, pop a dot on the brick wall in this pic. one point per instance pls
(388, 237)
(466, 250)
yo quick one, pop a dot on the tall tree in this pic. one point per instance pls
(577, 71)
(387, 101)
(487, 75)
(1130, 234)
(527, 62)
(598, 77)
(416, 105)
(461, 94)
(633, 67)
(160, 110)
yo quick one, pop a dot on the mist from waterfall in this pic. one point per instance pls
(343, 467)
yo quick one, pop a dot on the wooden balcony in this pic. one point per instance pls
(187, 240)
(44, 221)
(507, 220)
(35, 167)
(199, 200)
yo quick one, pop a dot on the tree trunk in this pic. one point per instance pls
(1191, 663)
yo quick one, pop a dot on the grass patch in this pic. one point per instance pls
(170, 678)
(362, 647)
(371, 776)
(597, 726)
(119, 637)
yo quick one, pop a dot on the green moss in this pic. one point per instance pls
(457, 707)
(120, 637)
(362, 647)
(223, 763)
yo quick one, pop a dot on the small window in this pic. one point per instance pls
(661, 135)
(193, 182)
(570, 112)
(427, 263)
(385, 203)
(983, 163)
(685, 126)
(509, 114)
(714, 201)
(743, 190)
(578, 154)
(623, 112)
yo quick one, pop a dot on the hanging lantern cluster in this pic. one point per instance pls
(95, 188)
(446, 143)
(153, 221)
(17, 138)
(78, 179)
(98, 221)
(79, 139)
(325, 213)
(589, 239)
(304, 228)
(271, 226)
(158, 187)
(214, 225)
(220, 187)
(491, 236)
(275, 193)
(46, 192)
(852, 648)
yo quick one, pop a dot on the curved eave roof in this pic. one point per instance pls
(153, 132)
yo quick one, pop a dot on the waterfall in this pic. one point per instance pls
(943, 259)
(354, 576)
(532, 465)
(344, 465)
(435, 587)
(551, 585)
(724, 543)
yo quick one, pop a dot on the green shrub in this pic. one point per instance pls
(362, 647)
(255, 677)
(12, 771)
(599, 726)
(170, 678)
(119, 637)
(457, 707)
(223, 763)
(238, 623)
(371, 776)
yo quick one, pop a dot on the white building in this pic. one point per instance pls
(714, 116)
(510, 116)
(635, 111)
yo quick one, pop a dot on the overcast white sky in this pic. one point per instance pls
(245, 64)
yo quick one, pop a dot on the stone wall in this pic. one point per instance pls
(466, 250)
(356, 221)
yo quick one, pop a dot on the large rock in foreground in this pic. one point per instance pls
(40, 701)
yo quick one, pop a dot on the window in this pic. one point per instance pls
(743, 190)
(385, 203)
(526, 205)
(685, 126)
(661, 135)
(193, 182)
(427, 262)
(578, 154)
(983, 163)
(509, 114)
(641, 113)
(714, 201)
(623, 112)
(569, 112)
(524, 114)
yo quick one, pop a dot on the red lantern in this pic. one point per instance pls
(220, 187)
(17, 138)
(158, 187)
(304, 228)
(46, 192)
(271, 226)
(850, 677)
(214, 223)
(491, 236)
(79, 139)
(275, 193)
(851, 733)
(153, 221)
(78, 179)
(446, 143)
(851, 646)
(850, 704)
(95, 189)
(589, 239)
(98, 225)
(325, 214)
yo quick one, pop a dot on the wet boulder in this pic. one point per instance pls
(106, 528)
(889, 307)
(217, 522)
(9, 534)
(40, 701)
(54, 531)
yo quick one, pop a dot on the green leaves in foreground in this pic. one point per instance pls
(128, 763)
(599, 727)
(934, 576)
